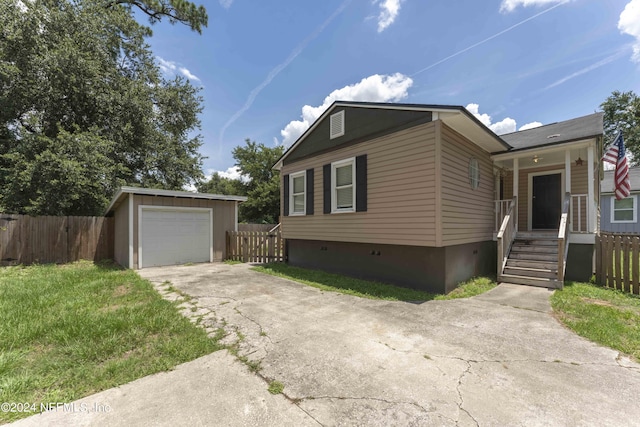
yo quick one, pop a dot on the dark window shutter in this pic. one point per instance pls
(361, 183)
(285, 202)
(309, 181)
(326, 187)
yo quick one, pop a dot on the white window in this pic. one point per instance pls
(625, 210)
(336, 125)
(343, 188)
(297, 197)
(474, 173)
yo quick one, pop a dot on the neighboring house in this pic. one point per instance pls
(620, 216)
(162, 227)
(417, 194)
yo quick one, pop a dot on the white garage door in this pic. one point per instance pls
(170, 236)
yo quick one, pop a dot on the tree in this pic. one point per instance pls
(77, 83)
(220, 185)
(622, 113)
(261, 185)
(180, 11)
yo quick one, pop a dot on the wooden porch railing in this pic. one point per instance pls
(506, 235)
(501, 207)
(563, 237)
(579, 213)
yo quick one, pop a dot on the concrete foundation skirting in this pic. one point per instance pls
(431, 269)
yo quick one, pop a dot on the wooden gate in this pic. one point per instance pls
(618, 262)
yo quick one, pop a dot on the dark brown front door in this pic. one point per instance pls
(547, 202)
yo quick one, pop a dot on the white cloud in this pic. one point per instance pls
(232, 172)
(506, 125)
(388, 14)
(188, 74)
(375, 88)
(530, 125)
(629, 23)
(226, 3)
(510, 5)
(171, 69)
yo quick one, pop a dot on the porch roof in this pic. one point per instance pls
(584, 127)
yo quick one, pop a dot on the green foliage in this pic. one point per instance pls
(470, 288)
(79, 88)
(73, 330)
(221, 185)
(261, 183)
(343, 284)
(605, 316)
(622, 112)
(276, 387)
(180, 11)
(263, 187)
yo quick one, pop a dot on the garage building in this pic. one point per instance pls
(162, 227)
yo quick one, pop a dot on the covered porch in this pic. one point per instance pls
(546, 200)
(540, 181)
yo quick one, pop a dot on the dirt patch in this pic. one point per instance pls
(121, 290)
(597, 302)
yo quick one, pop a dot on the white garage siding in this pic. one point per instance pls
(170, 236)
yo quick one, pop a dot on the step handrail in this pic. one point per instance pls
(506, 235)
(564, 231)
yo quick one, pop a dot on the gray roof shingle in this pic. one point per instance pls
(606, 185)
(555, 133)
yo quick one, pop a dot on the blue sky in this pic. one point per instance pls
(268, 69)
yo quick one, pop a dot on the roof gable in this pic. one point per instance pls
(367, 120)
(607, 184)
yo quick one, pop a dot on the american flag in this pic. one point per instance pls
(615, 155)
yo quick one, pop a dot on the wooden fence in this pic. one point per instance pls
(54, 239)
(618, 261)
(255, 246)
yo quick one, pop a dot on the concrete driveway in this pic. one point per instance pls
(497, 359)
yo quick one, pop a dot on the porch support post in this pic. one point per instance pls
(591, 199)
(516, 177)
(496, 184)
(567, 172)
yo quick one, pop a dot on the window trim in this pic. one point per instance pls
(292, 193)
(474, 180)
(625, 221)
(334, 165)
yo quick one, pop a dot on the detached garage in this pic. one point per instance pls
(162, 227)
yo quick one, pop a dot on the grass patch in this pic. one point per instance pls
(367, 289)
(343, 284)
(605, 316)
(470, 288)
(232, 262)
(72, 330)
(276, 387)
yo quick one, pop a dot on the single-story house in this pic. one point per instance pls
(619, 216)
(427, 196)
(161, 227)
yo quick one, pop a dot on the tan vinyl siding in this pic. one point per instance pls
(467, 214)
(223, 219)
(401, 193)
(121, 234)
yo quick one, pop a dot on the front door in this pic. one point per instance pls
(546, 204)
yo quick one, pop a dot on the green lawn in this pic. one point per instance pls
(72, 330)
(368, 289)
(605, 316)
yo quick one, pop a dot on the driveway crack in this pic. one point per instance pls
(461, 402)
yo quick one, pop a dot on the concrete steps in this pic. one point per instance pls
(533, 260)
